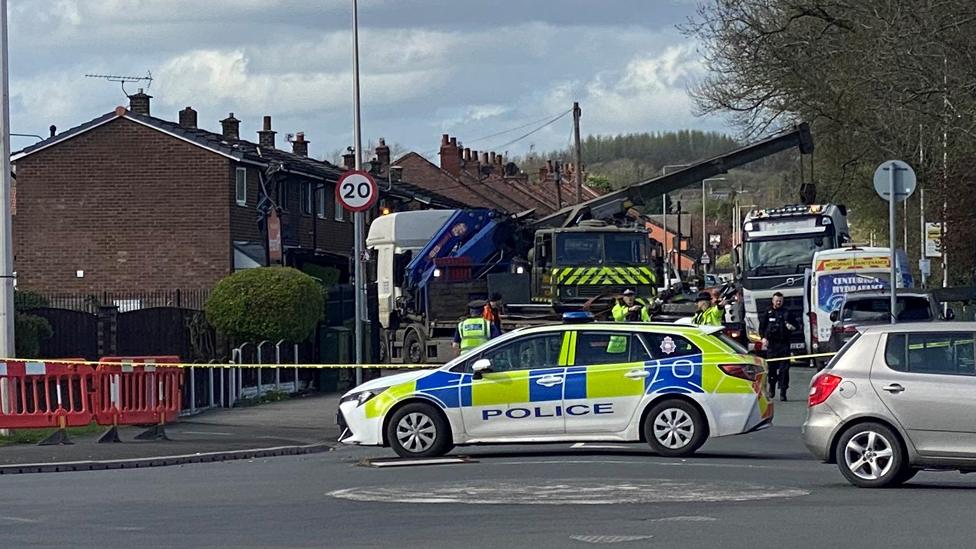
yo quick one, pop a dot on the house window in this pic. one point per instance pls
(241, 186)
(306, 191)
(320, 201)
(340, 213)
(283, 196)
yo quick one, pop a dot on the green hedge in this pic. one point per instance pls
(270, 303)
(26, 299)
(29, 330)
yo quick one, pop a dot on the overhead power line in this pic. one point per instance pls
(523, 136)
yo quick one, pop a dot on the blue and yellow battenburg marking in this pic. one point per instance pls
(678, 375)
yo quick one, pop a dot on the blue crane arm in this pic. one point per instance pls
(458, 230)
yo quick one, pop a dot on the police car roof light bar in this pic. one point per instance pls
(578, 317)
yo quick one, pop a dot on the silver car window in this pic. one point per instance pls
(840, 353)
(945, 353)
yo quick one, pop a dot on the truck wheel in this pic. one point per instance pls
(419, 430)
(414, 348)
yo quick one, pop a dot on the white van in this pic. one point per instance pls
(835, 273)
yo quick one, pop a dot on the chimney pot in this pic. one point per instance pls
(492, 157)
(231, 128)
(383, 155)
(484, 158)
(349, 160)
(299, 146)
(266, 137)
(467, 154)
(450, 155)
(188, 118)
(53, 129)
(139, 102)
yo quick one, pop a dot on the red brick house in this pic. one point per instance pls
(128, 202)
(487, 180)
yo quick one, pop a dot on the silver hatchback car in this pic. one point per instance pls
(897, 399)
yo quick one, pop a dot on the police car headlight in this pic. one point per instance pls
(362, 397)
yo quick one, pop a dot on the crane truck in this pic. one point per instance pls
(429, 264)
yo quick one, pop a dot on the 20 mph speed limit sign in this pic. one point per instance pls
(356, 191)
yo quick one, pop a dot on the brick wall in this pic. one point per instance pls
(136, 209)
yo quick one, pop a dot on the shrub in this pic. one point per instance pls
(270, 303)
(29, 330)
(25, 300)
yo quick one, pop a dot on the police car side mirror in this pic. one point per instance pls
(834, 316)
(480, 366)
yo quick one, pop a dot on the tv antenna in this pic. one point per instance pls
(123, 79)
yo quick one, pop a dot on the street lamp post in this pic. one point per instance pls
(6, 251)
(358, 220)
(664, 227)
(704, 235)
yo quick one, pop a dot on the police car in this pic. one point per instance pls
(670, 385)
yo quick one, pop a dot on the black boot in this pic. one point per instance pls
(782, 395)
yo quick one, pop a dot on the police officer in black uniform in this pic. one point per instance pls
(775, 327)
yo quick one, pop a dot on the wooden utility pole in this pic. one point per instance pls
(579, 152)
(559, 187)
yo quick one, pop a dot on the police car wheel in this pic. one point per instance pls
(675, 428)
(418, 430)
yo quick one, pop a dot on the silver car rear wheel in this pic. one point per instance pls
(871, 455)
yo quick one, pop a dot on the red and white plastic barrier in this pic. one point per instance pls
(41, 394)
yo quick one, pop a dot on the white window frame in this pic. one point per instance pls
(321, 204)
(240, 186)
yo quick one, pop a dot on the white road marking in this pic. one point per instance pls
(19, 519)
(693, 518)
(409, 462)
(569, 492)
(635, 462)
(608, 539)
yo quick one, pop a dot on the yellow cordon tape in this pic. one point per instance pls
(314, 366)
(799, 357)
(199, 365)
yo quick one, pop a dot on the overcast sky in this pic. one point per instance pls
(470, 68)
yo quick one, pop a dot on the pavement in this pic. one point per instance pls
(298, 425)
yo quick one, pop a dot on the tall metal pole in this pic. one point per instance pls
(921, 208)
(7, 253)
(579, 152)
(704, 250)
(357, 216)
(667, 254)
(893, 282)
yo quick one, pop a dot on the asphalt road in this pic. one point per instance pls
(749, 491)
